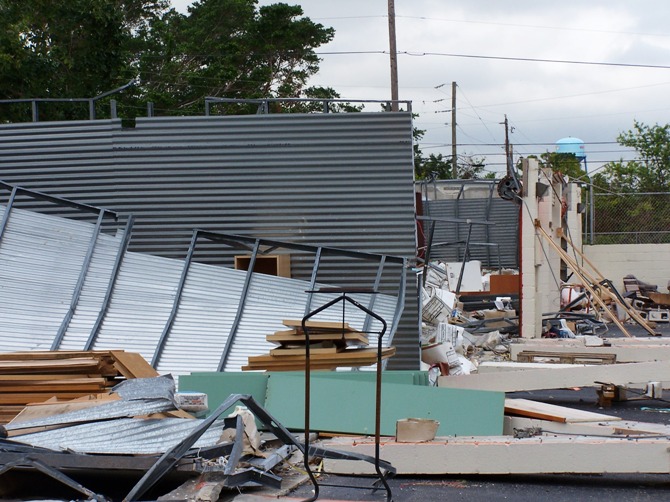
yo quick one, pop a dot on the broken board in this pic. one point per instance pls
(552, 412)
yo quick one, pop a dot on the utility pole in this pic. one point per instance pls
(394, 56)
(508, 156)
(454, 158)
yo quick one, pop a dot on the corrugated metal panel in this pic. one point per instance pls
(140, 306)
(130, 436)
(40, 263)
(43, 249)
(503, 234)
(340, 180)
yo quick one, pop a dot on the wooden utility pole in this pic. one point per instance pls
(454, 158)
(508, 156)
(394, 56)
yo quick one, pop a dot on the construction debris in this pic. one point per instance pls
(331, 345)
(35, 377)
(104, 437)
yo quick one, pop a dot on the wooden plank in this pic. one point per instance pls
(284, 351)
(56, 388)
(133, 365)
(297, 323)
(289, 364)
(552, 412)
(345, 355)
(54, 366)
(34, 397)
(51, 355)
(347, 337)
(529, 356)
(625, 352)
(301, 366)
(560, 378)
(8, 379)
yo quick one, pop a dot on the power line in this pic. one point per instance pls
(500, 58)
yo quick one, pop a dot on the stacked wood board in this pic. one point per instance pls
(331, 345)
(35, 377)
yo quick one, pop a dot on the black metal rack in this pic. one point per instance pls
(343, 298)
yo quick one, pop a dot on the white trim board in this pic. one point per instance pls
(559, 378)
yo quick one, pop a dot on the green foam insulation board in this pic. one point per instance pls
(348, 406)
(344, 402)
(218, 386)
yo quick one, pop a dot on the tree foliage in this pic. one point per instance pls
(221, 48)
(565, 163)
(439, 166)
(651, 171)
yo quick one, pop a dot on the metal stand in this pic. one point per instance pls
(344, 298)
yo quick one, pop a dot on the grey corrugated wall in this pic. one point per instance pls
(502, 235)
(338, 180)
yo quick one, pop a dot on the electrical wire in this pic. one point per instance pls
(496, 58)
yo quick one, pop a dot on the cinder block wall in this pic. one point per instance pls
(648, 262)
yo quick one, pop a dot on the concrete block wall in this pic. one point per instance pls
(648, 262)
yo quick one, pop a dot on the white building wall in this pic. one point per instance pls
(648, 262)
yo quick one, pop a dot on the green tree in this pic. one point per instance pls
(441, 167)
(221, 48)
(651, 171)
(73, 49)
(565, 163)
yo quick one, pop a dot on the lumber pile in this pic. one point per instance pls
(35, 377)
(331, 345)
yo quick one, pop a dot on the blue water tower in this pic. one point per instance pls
(571, 145)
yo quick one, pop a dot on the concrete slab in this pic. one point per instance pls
(505, 455)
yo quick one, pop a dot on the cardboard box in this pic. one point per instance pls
(415, 430)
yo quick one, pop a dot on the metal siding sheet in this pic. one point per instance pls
(40, 263)
(140, 306)
(124, 436)
(504, 232)
(340, 180)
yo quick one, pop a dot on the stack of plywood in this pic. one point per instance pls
(35, 377)
(331, 345)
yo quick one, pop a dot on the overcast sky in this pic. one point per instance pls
(485, 47)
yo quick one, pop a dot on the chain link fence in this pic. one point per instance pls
(624, 218)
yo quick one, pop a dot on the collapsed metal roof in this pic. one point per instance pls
(66, 285)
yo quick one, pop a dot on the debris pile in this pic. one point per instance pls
(459, 327)
(653, 305)
(137, 430)
(34, 377)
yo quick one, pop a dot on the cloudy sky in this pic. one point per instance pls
(578, 68)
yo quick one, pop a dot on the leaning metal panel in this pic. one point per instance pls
(195, 316)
